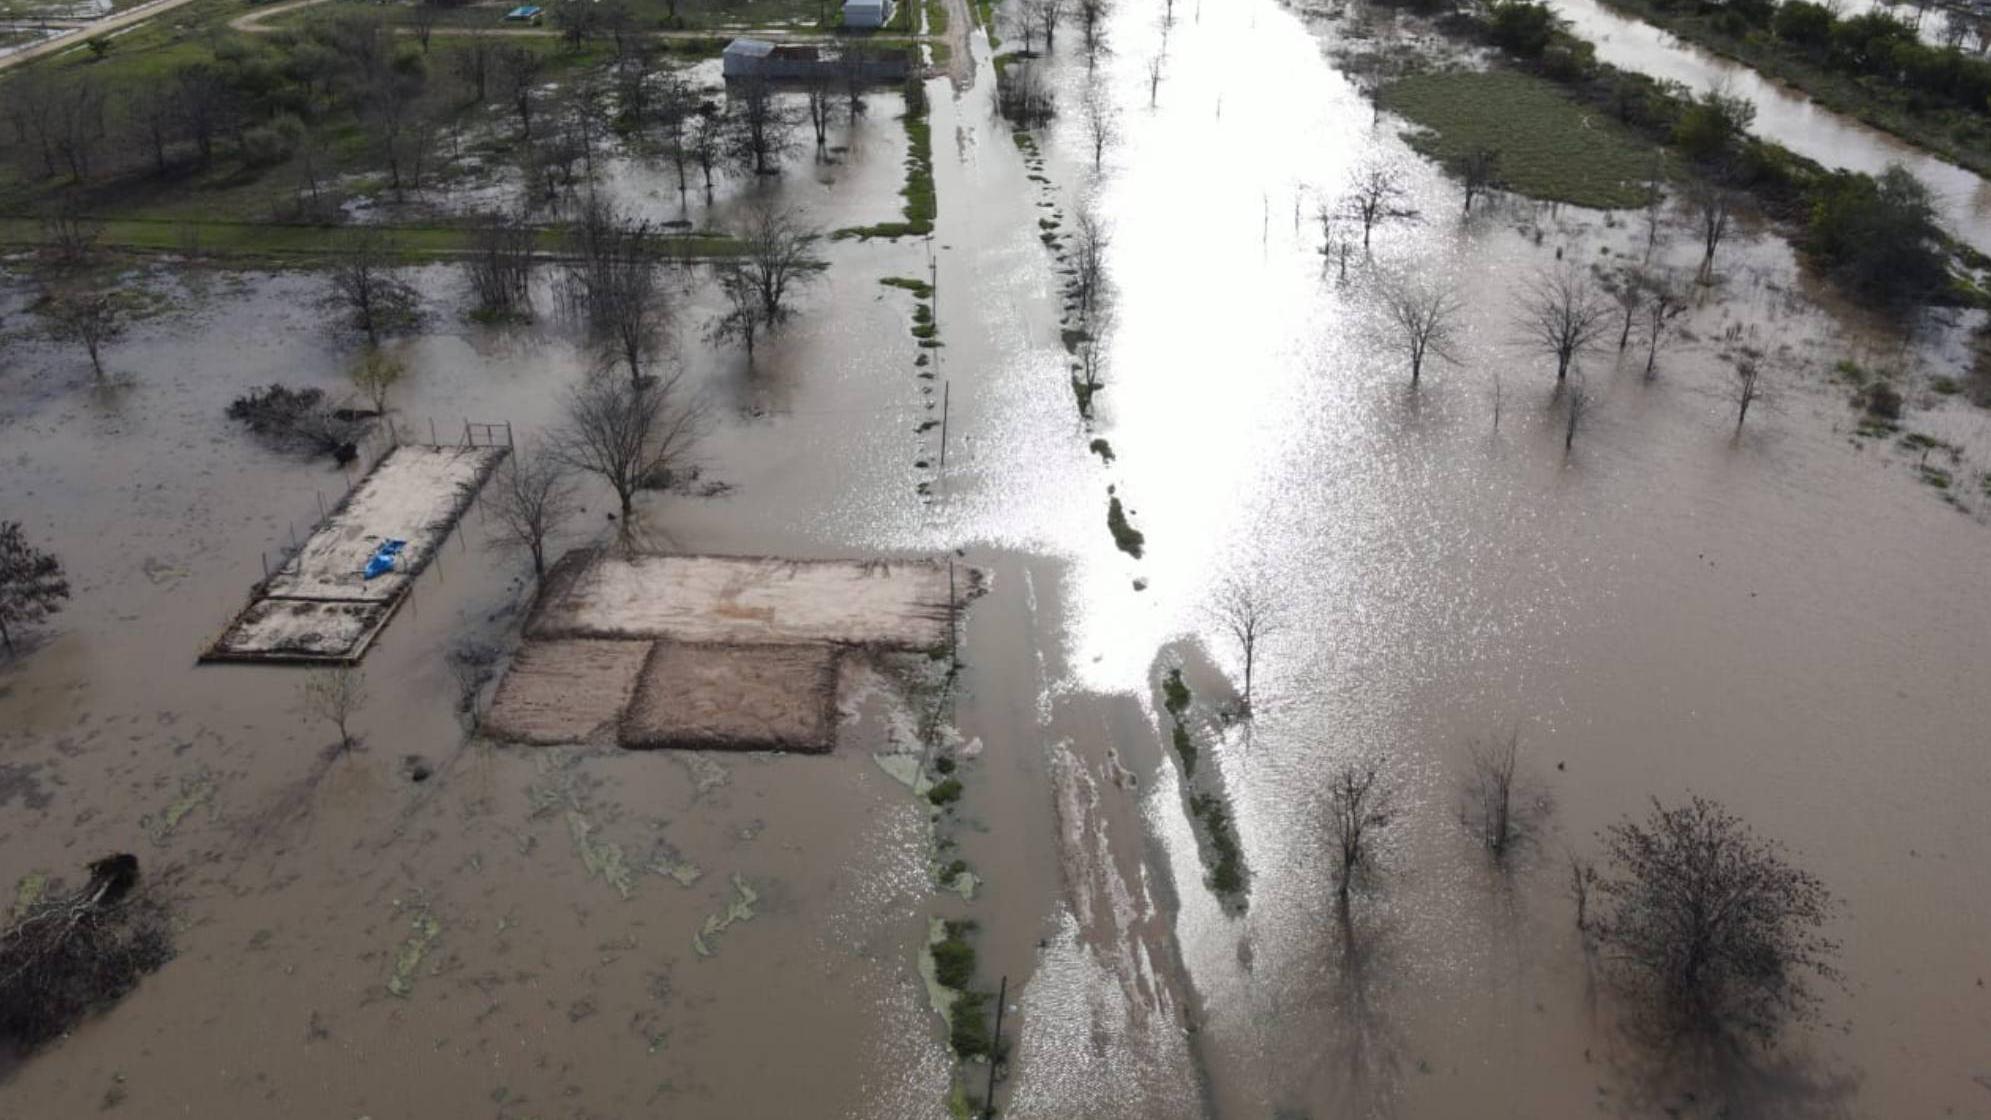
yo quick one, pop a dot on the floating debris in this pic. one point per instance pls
(741, 909)
(424, 929)
(600, 857)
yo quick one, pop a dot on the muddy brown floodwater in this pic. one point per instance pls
(1783, 617)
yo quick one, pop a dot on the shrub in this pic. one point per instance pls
(1522, 26)
(945, 793)
(1879, 235)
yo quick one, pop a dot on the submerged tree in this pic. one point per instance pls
(1376, 195)
(1090, 240)
(500, 265)
(1714, 211)
(334, 695)
(614, 284)
(533, 498)
(1249, 615)
(1499, 808)
(1479, 173)
(363, 284)
(632, 434)
(1708, 926)
(1561, 316)
(1422, 318)
(1664, 301)
(1360, 803)
(69, 953)
(778, 255)
(1748, 387)
(89, 316)
(762, 129)
(375, 375)
(32, 585)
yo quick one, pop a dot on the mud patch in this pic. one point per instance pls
(565, 691)
(780, 698)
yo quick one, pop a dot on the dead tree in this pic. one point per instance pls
(1376, 196)
(633, 435)
(500, 265)
(69, 953)
(778, 255)
(1714, 211)
(363, 284)
(1423, 320)
(1561, 316)
(1360, 803)
(1708, 926)
(89, 316)
(1249, 615)
(1090, 240)
(1479, 174)
(32, 585)
(533, 498)
(614, 285)
(1154, 79)
(334, 695)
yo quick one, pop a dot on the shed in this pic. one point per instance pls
(867, 13)
(745, 58)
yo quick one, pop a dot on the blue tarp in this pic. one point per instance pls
(523, 12)
(383, 557)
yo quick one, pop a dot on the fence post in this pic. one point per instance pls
(433, 441)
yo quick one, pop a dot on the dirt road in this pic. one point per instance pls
(77, 35)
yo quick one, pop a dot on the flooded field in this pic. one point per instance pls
(1780, 614)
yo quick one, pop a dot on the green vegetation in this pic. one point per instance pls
(1871, 65)
(968, 1025)
(953, 957)
(921, 206)
(945, 792)
(1227, 870)
(1102, 449)
(1550, 146)
(936, 17)
(1175, 694)
(1879, 235)
(412, 244)
(919, 288)
(1130, 539)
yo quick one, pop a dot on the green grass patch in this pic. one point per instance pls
(1103, 449)
(936, 17)
(1550, 146)
(921, 205)
(1130, 539)
(953, 957)
(415, 244)
(968, 1027)
(946, 792)
(919, 288)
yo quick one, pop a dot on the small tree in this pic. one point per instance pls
(613, 283)
(1248, 615)
(1479, 174)
(1748, 386)
(1102, 126)
(1423, 321)
(762, 130)
(500, 265)
(533, 498)
(1155, 63)
(32, 585)
(89, 316)
(1360, 803)
(1626, 287)
(1709, 926)
(334, 695)
(822, 105)
(1576, 405)
(1560, 316)
(1663, 302)
(1376, 196)
(779, 256)
(708, 144)
(363, 284)
(743, 317)
(632, 434)
(1714, 211)
(1499, 808)
(375, 374)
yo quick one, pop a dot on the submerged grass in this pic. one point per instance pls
(1130, 539)
(1550, 146)
(921, 205)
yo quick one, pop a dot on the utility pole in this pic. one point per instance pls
(995, 1048)
(946, 396)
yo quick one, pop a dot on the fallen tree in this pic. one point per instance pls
(70, 953)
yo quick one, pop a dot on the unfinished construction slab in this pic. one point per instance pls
(742, 698)
(415, 494)
(320, 607)
(565, 691)
(896, 604)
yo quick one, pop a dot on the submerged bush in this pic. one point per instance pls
(69, 954)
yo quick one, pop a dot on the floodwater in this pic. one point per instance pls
(1783, 114)
(1782, 618)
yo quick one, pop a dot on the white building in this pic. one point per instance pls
(867, 13)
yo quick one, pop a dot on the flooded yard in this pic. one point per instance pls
(1782, 613)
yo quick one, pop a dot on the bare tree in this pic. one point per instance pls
(1748, 386)
(334, 695)
(1154, 79)
(1102, 127)
(1479, 174)
(533, 498)
(1500, 807)
(1561, 316)
(1054, 14)
(708, 144)
(1030, 20)
(1360, 803)
(820, 89)
(631, 434)
(473, 61)
(32, 585)
(1576, 405)
(1627, 288)
(1714, 210)
(363, 284)
(743, 318)
(521, 68)
(1092, 29)
(1664, 301)
(500, 265)
(1709, 926)
(1423, 320)
(676, 105)
(424, 19)
(778, 256)
(854, 66)
(87, 315)
(613, 281)
(1249, 615)
(375, 375)
(761, 128)
(1090, 240)
(1376, 196)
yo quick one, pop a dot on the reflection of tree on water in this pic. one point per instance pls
(1698, 1077)
(1362, 1061)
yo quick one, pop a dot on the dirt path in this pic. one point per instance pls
(257, 22)
(82, 32)
(960, 62)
